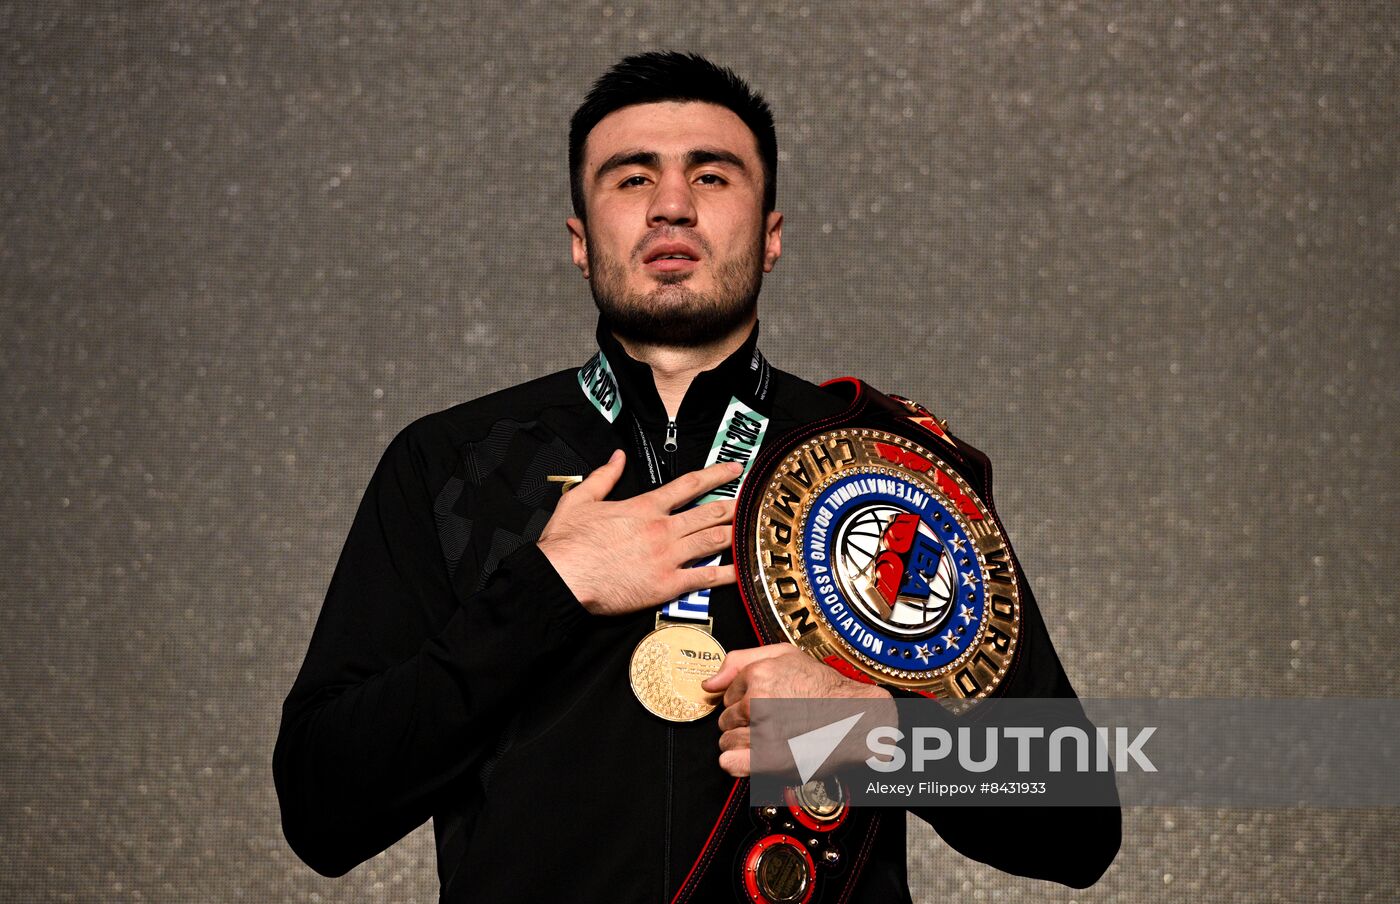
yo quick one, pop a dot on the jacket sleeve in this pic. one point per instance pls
(405, 683)
(1033, 841)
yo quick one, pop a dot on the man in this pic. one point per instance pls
(471, 661)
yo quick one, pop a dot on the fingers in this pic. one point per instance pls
(733, 717)
(701, 576)
(703, 516)
(707, 542)
(597, 485)
(690, 486)
(736, 660)
(735, 739)
(735, 762)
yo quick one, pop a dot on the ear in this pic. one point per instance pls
(578, 243)
(772, 241)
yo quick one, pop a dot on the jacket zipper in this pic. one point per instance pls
(670, 447)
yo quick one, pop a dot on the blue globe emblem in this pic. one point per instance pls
(893, 571)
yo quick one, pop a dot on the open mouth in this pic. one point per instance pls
(667, 257)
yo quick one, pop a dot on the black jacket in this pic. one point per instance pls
(453, 676)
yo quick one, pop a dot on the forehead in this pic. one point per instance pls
(670, 126)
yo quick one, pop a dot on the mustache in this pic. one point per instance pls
(671, 234)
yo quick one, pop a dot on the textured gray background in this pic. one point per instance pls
(1144, 255)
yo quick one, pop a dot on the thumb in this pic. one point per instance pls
(736, 661)
(597, 485)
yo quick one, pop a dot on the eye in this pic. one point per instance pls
(632, 180)
(718, 179)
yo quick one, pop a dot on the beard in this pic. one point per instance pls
(672, 313)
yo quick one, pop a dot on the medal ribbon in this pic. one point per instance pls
(738, 438)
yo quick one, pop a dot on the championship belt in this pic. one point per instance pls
(867, 539)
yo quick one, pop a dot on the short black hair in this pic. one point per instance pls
(669, 75)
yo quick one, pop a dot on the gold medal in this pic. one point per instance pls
(668, 666)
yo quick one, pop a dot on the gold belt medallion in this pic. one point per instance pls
(873, 554)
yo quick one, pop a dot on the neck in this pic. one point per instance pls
(674, 368)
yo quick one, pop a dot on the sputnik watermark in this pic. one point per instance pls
(888, 756)
(1064, 752)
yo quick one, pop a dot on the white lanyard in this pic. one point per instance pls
(738, 438)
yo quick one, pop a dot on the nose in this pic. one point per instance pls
(671, 203)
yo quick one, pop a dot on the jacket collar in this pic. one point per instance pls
(739, 375)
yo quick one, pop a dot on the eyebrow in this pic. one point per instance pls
(694, 157)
